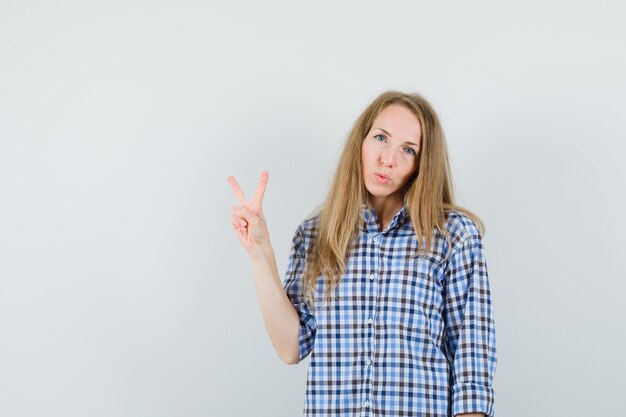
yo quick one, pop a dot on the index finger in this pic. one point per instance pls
(238, 192)
(260, 191)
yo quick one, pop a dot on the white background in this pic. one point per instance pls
(123, 289)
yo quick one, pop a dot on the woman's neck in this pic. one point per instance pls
(386, 208)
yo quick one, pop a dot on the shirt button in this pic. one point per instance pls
(368, 362)
(375, 239)
(366, 404)
(372, 275)
(370, 321)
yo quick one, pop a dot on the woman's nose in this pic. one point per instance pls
(387, 157)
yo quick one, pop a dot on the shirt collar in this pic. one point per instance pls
(370, 218)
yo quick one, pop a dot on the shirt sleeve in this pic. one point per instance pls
(470, 328)
(293, 286)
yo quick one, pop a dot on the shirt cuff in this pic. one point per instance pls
(308, 328)
(472, 398)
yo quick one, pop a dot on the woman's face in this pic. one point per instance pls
(389, 153)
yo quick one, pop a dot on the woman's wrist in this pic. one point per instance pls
(260, 251)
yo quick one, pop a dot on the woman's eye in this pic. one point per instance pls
(377, 136)
(411, 151)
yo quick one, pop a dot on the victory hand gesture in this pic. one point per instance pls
(248, 219)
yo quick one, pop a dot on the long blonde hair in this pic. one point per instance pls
(428, 194)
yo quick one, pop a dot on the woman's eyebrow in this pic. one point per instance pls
(389, 134)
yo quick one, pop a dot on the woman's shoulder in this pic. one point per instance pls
(306, 231)
(460, 226)
(311, 220)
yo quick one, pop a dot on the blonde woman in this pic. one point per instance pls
(386, 285)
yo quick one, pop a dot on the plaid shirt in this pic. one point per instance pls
(403, 337)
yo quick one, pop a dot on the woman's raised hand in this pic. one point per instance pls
(248, 219)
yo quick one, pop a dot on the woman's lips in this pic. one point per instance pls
(381, 179)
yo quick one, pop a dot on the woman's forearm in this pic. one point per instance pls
(279, 315)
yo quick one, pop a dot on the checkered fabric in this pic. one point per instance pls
(402, 336)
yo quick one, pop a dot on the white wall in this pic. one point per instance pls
(123, 290)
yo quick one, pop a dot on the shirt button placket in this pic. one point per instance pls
(366, 410)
